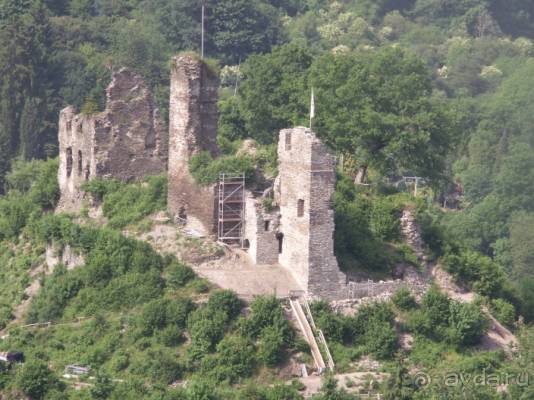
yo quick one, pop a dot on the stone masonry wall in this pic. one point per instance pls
(325, 278)
(260, 231)
(193, 118)
(126, 141)
(306, 185)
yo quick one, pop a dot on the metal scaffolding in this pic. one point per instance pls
(231, 218)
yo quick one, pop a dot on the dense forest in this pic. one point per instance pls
(439, 89)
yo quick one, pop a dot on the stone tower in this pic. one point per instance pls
(193, 117)
(128, 140)
(306, 185)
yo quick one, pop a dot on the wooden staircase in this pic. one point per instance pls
(308, 329)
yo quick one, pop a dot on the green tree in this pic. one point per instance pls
(35, 379)
(275, 91)
(375, 107)
(238, 28)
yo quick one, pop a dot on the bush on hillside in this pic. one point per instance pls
(124, 204)
(404, 300)
(35, 380)
(504, 312)
(467, 323)
(477, 270)
(233, 361)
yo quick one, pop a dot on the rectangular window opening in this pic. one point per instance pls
(267, 225)
(288, 141)
(300, 208)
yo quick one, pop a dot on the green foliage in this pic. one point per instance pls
(267, 313)
(362, 222)
(372, 328)
(404, 300)
(233, 361)
(275, 92)
(206, 170)
(467, 323)
(442, 319)
(271, 346)
(33, 189)
(393, 88)
(126, 204)
(36, 380)
(504, 312)
(480, 272)
(178, 274)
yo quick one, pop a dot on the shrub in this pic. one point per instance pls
(267, 312)
(335, 327)
(404, 300)
(206, 328)
(54, 296)
(381, 339)
(35, 379)
(384, 219)
(368, 313)
(436, 306)
(206, 170)
(504, 312)
(153, 316)
(271, 348)
(479, 271)
(233, 361)
(179, 274)
(467, 323)
(226, 302)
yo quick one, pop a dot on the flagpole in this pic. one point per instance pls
(202, 35)
(312, 108)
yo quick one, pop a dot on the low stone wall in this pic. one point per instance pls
(359, 290)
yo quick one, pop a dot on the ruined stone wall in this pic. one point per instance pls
(325, 278)
(260, 232)
(76, 148)
(128, 140)
(306, 184)
(193, 120)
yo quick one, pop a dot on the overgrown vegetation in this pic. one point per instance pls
(438, 89)
(206, 170)
(126, 204)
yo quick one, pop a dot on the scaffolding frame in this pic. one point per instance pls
(231, 218)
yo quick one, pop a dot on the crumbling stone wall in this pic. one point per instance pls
(126, 141)
(306, 185)
(193, 117)
(261, 228)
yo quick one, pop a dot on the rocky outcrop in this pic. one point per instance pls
(126, 141)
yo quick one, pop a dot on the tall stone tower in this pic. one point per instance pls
(306, 185)
(128, 140)
(193, 117)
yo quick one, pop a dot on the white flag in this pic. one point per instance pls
(312, 106)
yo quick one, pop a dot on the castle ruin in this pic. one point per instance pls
(126, 141)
